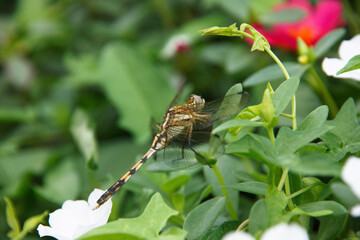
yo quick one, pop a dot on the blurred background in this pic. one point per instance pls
(80, 81)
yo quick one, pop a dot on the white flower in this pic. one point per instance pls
(178, 43)
(285, 231)
(281, 231)
(347, 50)
(238, 236)
(76, 218)
(355, 211)
(350, 174)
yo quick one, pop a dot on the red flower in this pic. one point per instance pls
(320, 19)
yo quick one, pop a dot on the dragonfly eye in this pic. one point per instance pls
(196, 101)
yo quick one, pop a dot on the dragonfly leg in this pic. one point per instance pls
(192, 149)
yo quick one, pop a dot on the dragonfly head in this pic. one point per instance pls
(196, 102)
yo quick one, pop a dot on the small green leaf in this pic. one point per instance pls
(147, 226)
(32, 223)
(345, 135)
(258, 219)
(329, 40)
(11, 219)
(289, 141)
(275, 204)
(178, 201)
(335, 207)
(84, 135)
(173, 184)
(352, 64)
(221, 230)
(203, 216)
(315, 119)
(253, 187)
(284, 94)
(310, 163)
(344, 194)
(273, 73)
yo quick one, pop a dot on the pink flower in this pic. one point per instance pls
(320, 19)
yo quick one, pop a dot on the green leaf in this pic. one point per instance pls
(289, 141)
(329, 40)
(345, 135)
(221, 230)
(335, 207)
(15, 167)
(175, 183)
(236, 123)
(253, 187)
(61, 183)
(136, 88)
(273, 72)
(235, 8)
(315, 119)
(11, 219)
(32, 223)
(147, 226)
(275, 204)
(84, 134)
(258, 219)
(284, 94)
(352, 64)
(344, 194)
(287, 15)
(330, 226)
(310, 163)
(203, 216)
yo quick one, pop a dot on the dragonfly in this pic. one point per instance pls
(180, 123)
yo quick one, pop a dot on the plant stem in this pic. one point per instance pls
(225, 192)
(283, 178)
(271, 135)
(288, 192)
(243, 225)
(321, 90)
(301, 191)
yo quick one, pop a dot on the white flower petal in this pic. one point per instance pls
(349, 48)
(76, 218)
(238, 236)
(332, 65)
(355, 211)
(285, 231)
(48, 231)
(350, 174)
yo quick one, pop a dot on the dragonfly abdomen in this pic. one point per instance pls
(116, 186)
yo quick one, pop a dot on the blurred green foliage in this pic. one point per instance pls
(80, 81)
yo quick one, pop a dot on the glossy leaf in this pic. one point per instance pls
(236, 123)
